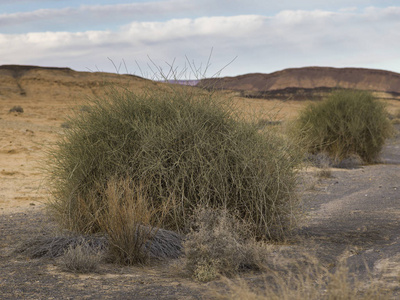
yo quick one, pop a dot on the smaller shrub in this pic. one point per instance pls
(220, 244)
(81, 258)
(17, 109)
(347, 123)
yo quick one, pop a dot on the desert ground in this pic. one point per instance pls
(353, 214)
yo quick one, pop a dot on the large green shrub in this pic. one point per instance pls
(347, 123)
(184, 148)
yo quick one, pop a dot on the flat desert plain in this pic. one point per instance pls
(353, 215)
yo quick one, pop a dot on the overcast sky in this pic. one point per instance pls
(263, 35)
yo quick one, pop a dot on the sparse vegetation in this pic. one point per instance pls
(105, 184)
(220, 244)
(17, 109)
(186, 148)
(347, 123)
(81, 258)
(311, 281)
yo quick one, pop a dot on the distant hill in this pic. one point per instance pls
(308, 82)
(64, 84)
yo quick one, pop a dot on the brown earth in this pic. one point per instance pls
(353, 214)
(308, 82)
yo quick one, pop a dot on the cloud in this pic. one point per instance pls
(295, 38)
(91, 16)
(75, 17)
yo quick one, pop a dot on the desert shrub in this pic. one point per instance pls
(220, 244)
(348, 122)
(81, 258)
(186, 147)
(17, 109)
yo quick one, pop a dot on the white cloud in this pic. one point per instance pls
(70, 16)
(95, 16)
(297, 38)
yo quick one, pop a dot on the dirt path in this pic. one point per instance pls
(358, 211)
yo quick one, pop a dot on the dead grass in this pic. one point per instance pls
(56, 246)
(220, 244)
(311, 281)
(81, 259)
(128, 221)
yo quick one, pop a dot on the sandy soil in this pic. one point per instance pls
(355, 213)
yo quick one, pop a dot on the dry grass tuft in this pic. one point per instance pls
(220, 244)
(310, 281)
(128, 221)
(81, 259)
(165, 244)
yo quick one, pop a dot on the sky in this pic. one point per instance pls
(200, 38)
